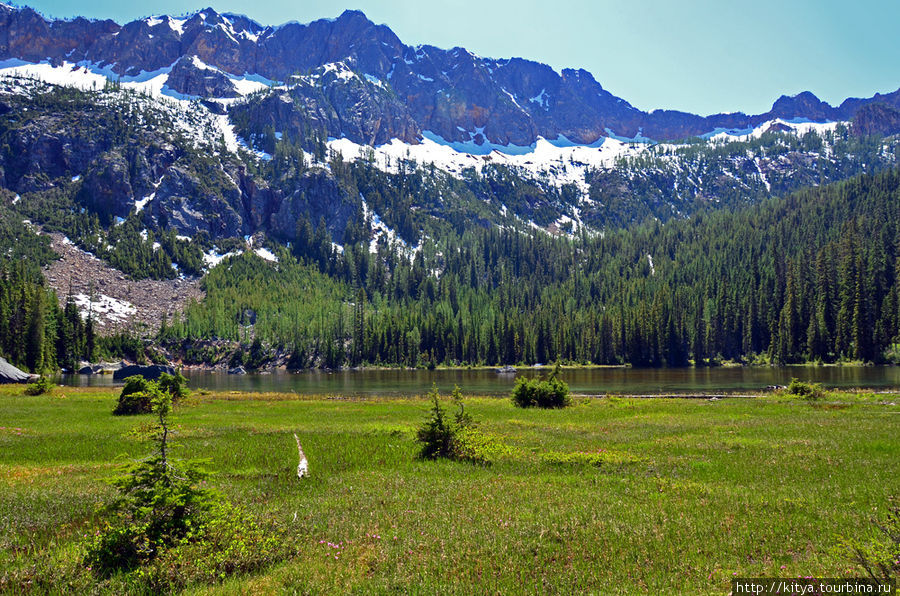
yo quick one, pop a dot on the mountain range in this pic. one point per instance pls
(405, 91)
(218, 128)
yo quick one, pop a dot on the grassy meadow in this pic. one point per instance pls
(611, 495)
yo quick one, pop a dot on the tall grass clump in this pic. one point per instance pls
(550, 393)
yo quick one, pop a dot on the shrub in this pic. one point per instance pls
(136, 396)
(169, 530)
(159, 504)
(232, 541)
(808, 391)
(438, 433)
(474, 446)
(41, 386)
(455, 437)
(550, 393)
(175, 385)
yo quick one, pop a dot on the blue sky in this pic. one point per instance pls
(702, 56)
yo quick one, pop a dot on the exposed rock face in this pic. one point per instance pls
(316, 196)
(11, 374)
(876, 119)
(190, 76)
(338, 101)
(108, 168)
(150, 372)
(452, 93)
(106, 187)
(186, 203)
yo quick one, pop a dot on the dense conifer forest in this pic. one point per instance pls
(809, 277)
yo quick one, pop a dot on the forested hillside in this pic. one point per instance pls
(813, 276)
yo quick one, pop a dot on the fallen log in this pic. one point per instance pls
(303, 466)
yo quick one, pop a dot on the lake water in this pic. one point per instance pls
(592, 381)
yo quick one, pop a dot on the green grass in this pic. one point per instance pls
(612, 495)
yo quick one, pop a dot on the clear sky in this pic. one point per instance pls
(701, 56)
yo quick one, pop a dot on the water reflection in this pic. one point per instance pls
(489, 382)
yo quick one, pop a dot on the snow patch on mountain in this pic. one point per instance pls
(561, 160)
(799, 126)
(104, 309)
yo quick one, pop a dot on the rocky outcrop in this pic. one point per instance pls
(75, 139)
(189, 204)
(876, 119)
(11, 374)
(315, 197)
(106, 188)
(150, 372)
(192, 77)
(338, 101)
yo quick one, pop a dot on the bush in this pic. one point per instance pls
(159, 504)
(808, 391)
(231, 541)
(136, 396)
(175, 385)
(169, 529)
(454, 437)
(438, 433)
(550, 393)
(41, 386)
(474, 446)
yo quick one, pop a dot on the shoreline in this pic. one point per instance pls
(524, 367)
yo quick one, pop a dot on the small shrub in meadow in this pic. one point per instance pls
(158, 505)
(550, 393)
(808, 391)
(168, 529)
(438, 433)
(41, 386)
(454, 436)
(136, 396)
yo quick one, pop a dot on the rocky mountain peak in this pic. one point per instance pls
(802, 105)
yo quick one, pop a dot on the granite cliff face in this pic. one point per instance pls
(380, 88)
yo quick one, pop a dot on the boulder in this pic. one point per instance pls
(238, 370)
(11, 374)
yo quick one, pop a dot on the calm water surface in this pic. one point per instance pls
(488, 382)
